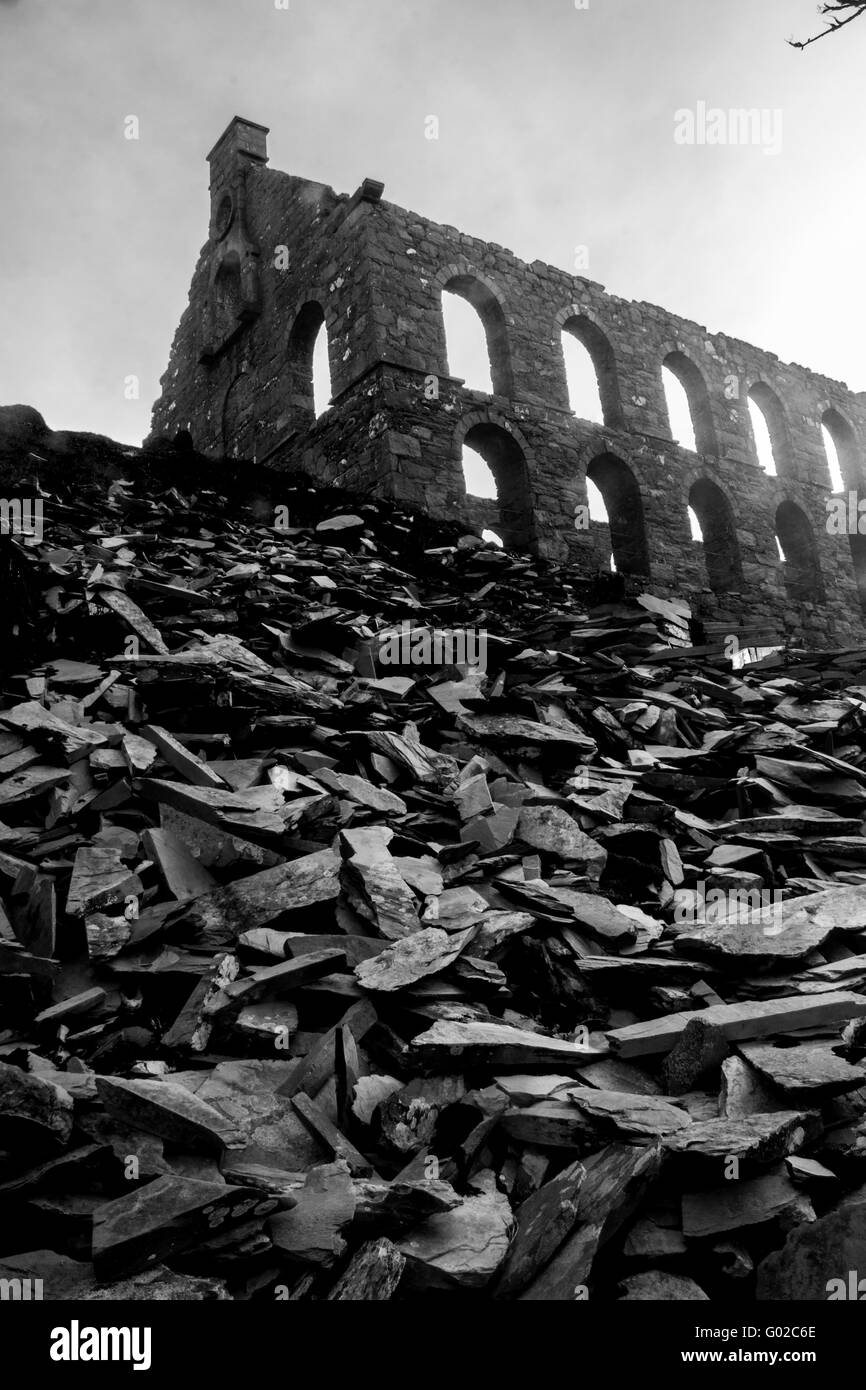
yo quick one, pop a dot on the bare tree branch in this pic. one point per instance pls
(849, 10)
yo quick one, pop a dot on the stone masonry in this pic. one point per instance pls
(286, 255)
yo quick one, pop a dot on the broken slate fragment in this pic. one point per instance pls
(543, 1222)
(821, 1262)
(312, 1232)
(169, 1111)
(700, 1050)
(659, 1285)
(629, 1117)
(496, 1044)
(415, 957)
(164, 1218)
(100, 879)
(461, 1249)
(372, 1275)
(805, 1074)
(753, 1139)
(554, 832)
(35, 1115)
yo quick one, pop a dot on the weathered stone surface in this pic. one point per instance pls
(496, 1044)
(617, 1180)
(762, 936)
(65, 1280)
(169, 1111)
(245, 1093)
(527, 1090)
(700, 1049)
(275, 897)
(372, 1276)
(753, 1138)
(738, 1205)
(375, 889)
(744, 1092)
(424, 953)
(408, 1117)
(543, 1222)
(370, 1091)
(739, 1022)
(50, 734)
(659, 1285)
(807, 1073)
(629, 1117)
(650, 1240)
(100, 879)
(815, 1262)
(312, 1232)
(34, 1114)
(553, 831)
(163, 1218)
(462, 1249)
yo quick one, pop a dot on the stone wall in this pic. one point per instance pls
(285, 255)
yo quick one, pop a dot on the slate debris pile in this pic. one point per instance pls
(324, 977)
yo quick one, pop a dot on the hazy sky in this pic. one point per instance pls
(556, 130)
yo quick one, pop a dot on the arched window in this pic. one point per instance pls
(309, 366)
(840, 445)
(590, 370)
(238, 421)
(769, 430)
(622, 508)
(796, 543)
(227, 287)
(466, 351)
(715, 522)
(493, 460)
(477, 475)
(688, 401)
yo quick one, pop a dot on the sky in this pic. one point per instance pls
(556, 130)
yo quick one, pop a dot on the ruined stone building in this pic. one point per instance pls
(286, 256)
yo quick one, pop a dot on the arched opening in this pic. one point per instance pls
(840, 445)
(590, 371)
(689, 412)
(468, 351)
(718, 535)
(796, 543)
(769, 430)
(477, 475)
(503, 463)
(309, 365)
(491, 537)
(834, 463)
(238, 420)
(611, 483)
(843, 465)
(227, 287)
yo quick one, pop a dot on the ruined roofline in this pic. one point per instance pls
(718, 337)
(250, 139)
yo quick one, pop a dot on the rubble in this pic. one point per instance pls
(324, 978)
